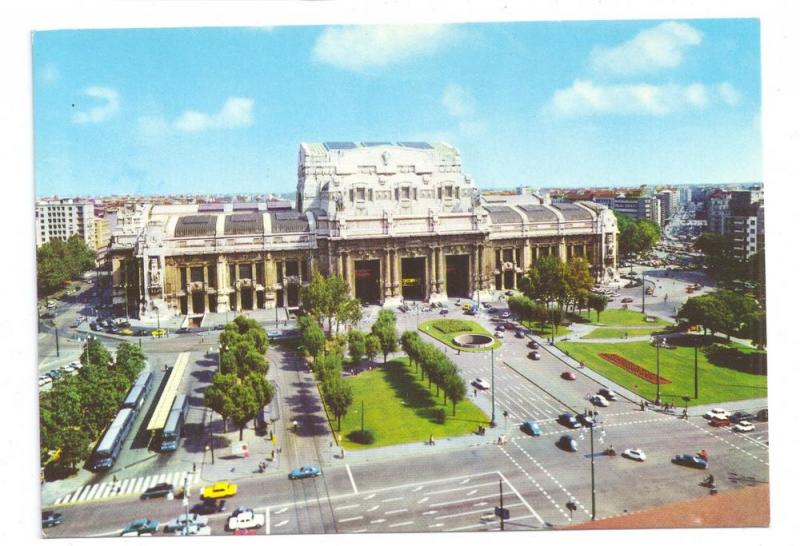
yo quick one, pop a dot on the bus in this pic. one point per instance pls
(110, 444)
(171, 433)
(139, 390)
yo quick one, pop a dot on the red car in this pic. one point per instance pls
(720, 422)
(509, 326)
(568, 376)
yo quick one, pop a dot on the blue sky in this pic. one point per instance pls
(218, 110)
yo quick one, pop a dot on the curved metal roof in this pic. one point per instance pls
(289, 222)
(573, 212)
(538, 213)
(501, 214)
(196, 226)
(242, 224)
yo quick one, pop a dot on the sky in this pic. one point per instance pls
(560, 104)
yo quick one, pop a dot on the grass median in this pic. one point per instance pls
(716, 383)
(445, 330)
(400, 408)
(609, 333)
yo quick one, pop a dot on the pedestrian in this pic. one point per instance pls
(342, 453)
(474, 393)
(194, 467)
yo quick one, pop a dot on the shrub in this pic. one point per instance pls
(452, 326)
(361, 436)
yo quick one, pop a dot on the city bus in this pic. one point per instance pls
(138, 393)
(171, 434)
(111, 443)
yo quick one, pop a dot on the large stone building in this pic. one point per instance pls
(396, 220)
(63, 218)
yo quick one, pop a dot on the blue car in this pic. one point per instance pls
(690, 460)
(305, 471)
(568, 420)
(531, 427)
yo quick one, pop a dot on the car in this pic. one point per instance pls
(720, 422)
(50, 304)
(492, 310)
(487, 305)
(140, 526)
(158, 332)
(509, 326)
(499, 328)
(158, 490)
(505, 315)
(741, 416)
(75, 323)
(534, 355)
(480, 383)
(690, 460)
(568, 420)
(635, 454)
(763, 415)
(530, 426)
(444, 312)
(54, 374)
(627, 300)
(533, 345)
(51, 518)
(218, 327)
(182, 330)
(182, 520)
(569, 376)
(192, 530)
(208, 506)
(567, 443)
(466, 307)
(598, 400)
(245, 518)
(124, 331)
(585, 419)
(219, 490)
(305, 471)
(743, 426)
(519, 333)
(123, 324)
(608, 394)
(499, 334)
(94, 326)
(716, 412)
(76, 365)
(44, 381)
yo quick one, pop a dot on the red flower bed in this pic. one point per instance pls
(635, 369)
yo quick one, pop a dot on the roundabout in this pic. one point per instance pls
(474, 341)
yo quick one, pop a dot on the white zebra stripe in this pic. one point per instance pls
(160, 478)
(101, 491)
(140, 483)
(125, 485)
(88, 491)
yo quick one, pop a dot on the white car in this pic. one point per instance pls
(481, 383)
(499, 334)
(180, 522)
(76, 365)
(505, 315)
(598, 400)
(192, 530)
(635, 454)
(744, 426)
(718, 413)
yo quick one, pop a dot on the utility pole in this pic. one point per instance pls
(502, 514)
(658, 371)
(492, 423)
(185, 503)
(643, 292)
(591, 441)
(58, 352)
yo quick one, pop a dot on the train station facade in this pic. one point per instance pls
(398, 221)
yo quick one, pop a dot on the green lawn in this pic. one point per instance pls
(717, 383)
(624, 317)
(545, 330)
(604, 333)
(447, 338)
(399, 408)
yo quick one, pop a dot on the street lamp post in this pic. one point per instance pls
(695, 373)
(658, 371)
(591, 441)
(185, 503)
(158, 319)
(643, 283)
(492, 423)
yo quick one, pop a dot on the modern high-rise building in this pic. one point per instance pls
(63, 218)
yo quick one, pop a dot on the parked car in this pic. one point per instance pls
(567, 443)
(627, 300)
(505, 315)
(635, 454)
(443, 312)
(51, 518)
(569, 376)
(690, 460)
(192, 530)
(246, 519)
(744, 426)
(499, 334)
(533, 345)
(598, 400)
(209, 506)
(531, 427)
(741, 416)
(534, 355)
(75, 323)
(518, 333)
(480, 383)
(158, 332)
(158, 490)
(54, 374)
(305, 471)
(219, 490)
(568, 420)
(608, 394)
(763, 415)
(716, 412)
(140, 526)
(509, 326)
(585, 419)
(192, 519)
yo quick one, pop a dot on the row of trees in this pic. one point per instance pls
(59, 261)
(240, 390)
(76, 410)
(728, 312)
(434, 364)
(328, 300)
(636, 236)
(723, 265)
(550, 280)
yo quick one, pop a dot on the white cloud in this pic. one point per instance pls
(49, 73)
(585, 97)
(236, 112)
(655, 48)
(728, 93)
(361, 47)
(458, 101)
(100, 113)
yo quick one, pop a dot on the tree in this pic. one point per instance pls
(219, 394)
(636, 236)
(263, 389)
(75, 446)
(313, 337)
(410, 342)
(245, 407)
(58, 261)
(130, 361)
(578, 280)
(455, 388)
(338, 397)
(386, 331)
(242, 358)
(356, 346)
(372, 346)
(546, 280)
(94, 354)
(349, 312)
(756, 329)
(598, 303)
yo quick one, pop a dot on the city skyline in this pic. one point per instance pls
(160, 111)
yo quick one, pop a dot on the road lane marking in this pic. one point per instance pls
(378, 520)
(514, 489)
(359, 531)
(429, 512)
(484, 503)
(463, 482)
(423, 499)
(281, 524)
(460, 488)
(281, 511)
(337, 508)
(435, 525)
(351, 519)
(472, 492)
(374, 508)
(268, 526)
(486, 524)
(459, 514)
(392, 499)
(352, 481)
(398, 511)
(417, 488)
(369, 496)
(402, 524)
(493, 495)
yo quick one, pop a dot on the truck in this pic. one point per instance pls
(246, 519)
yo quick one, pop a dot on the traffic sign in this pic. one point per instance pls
(503, 513)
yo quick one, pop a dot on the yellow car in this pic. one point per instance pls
(466, 307)
(220, 490)
(125, 332)
(158, 332)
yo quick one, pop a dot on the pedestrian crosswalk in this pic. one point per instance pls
(128, 486)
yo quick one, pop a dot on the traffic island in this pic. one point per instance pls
(448, 330)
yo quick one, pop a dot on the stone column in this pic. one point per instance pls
(205, 286)
(397, 283)
(430, 270)
(285, 285)
(387, 274)
(562, 250)
(442, 271)
(526, 255)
